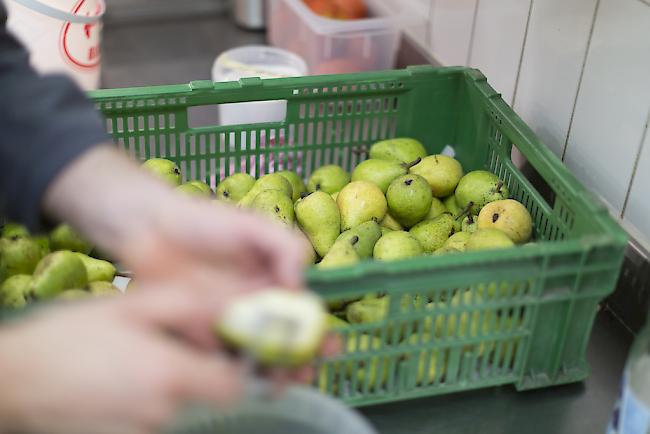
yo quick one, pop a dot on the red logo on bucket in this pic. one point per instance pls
(80, 42)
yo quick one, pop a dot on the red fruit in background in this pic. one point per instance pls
(350, 9)
(324, 8)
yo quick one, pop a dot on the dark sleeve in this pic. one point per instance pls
(45, 123)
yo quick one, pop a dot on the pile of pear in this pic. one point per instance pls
(57, 265)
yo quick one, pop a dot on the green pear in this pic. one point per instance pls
(97, 270)
(43, 243)
(18, 255)
(234, 188)
(432, 234)
(437, 208)
(469, 224)
(397, 245)
(451, 204)
(508, 216)
(367, 310)
(205, 188)
(297, 184)
(330, 179)
(101, 289)
(166, 170)
(384, 231)
(359, 202)
(409, 199)
(462, 324)
(73, 295)
(480, 187)
(381, 172)
(335, 196)
(444, 250)
(458, 241)
(389, 222)
(10, 230)
(334, 322)
(272, 181)
(319, 218)
(191, 190)
(14, 291)
(441, 172)
(487, 239)
(276, 205)
(436, 365)
(401, 150)
(342, 254)
(57, 272)
(63, 237)
(368, 234)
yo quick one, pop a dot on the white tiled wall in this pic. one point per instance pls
(577, 71)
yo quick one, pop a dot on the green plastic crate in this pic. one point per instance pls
(532, 333)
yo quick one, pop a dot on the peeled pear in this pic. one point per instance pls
(432, 234)
(319, 218)
(97, 270)
(330, 179)
(18, 255)
(480, 187)
(234, 188)
(101, 289)
(508, 216)
(458, 241)
(297, 184)
(441, 172)
(437, 208)
(276, 327)
(276, 205)
(397, 245)
(359, 202)
(10, 230)
(14, 291)
(487, 239)
(341, 254)
(63, 237)
(164, 169)
(401, 150)
(57, 272)
(409, 199)
(272, 181)
(192, 190)
(389, 222)
(368, 234)
(381, 172)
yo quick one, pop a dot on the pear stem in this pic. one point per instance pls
(408, 166)
(467, 212)
(499, 186)
(303, 194)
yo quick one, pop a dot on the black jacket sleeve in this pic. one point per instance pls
(45, 123)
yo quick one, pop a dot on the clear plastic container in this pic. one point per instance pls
(336, 46)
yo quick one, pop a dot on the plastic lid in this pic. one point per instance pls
(257, 61)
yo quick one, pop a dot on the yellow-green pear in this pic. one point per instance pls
(469, 224)
(165, 170)
(63, 237)
(330, 179)
(432, 234)
(381, 172)
(508, 216)
(342, 254)
(389, 222)
(397, 245)
(57, 272)
(368, 234)
(10, 230)
(409, 199)
(97, 270)
(234, 188)
(14, 292)
(73, 295)
(480, 188)
(272, 181)
(487, 239)
(458, 241)
(192, 190)
(359, 202)
(437, 208)
(441, 172)
(276, 205)
(435, 363)
(334, 322)
(384, 231)
(319, 218)
(205, 188)
(297, 184)
(401, 150)
(102, 289)
(18, 255)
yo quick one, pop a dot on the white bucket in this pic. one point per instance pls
(61, 36)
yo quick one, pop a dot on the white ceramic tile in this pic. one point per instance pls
(450, 30)
(558, 34)
(612, 105)
(498, 40)
(637, 212)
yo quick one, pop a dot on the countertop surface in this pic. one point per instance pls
(178, 51)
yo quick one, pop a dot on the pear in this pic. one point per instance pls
(297, 184)
(389, 222)
(437, 208)
(510, 217)
(409, 199)
(101, 289)
(486, 239)
(14, 291)
(366, 371)
(384, 231)
(397, 245)
(73, 295)
(436, 365)
(359, 202)
(341, 254)
(335, 196)
(272, 181)
(455, 211)
(463, 324)
(432, 234)
(166, 170)
(205, 188)
(57, 272)
(190, 190)
(381, 172)
(401, 150)
(441, 172)
(334, 322)
(469, 224)
(319, 218)
(479, 187)
(18, 255)
(368, 234)
(63, 237)
(10, 230)
(330, 179)
(457, 241)
(276, 327)
(367, 310)
(43, 243)
(276, 205)
(234, 188)
(444, 250)
(97, 270)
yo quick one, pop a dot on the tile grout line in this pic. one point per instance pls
(582, 74)
(636, 164)
(523, 49)
(472, 33)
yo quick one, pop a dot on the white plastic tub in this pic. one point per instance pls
(334, 46)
